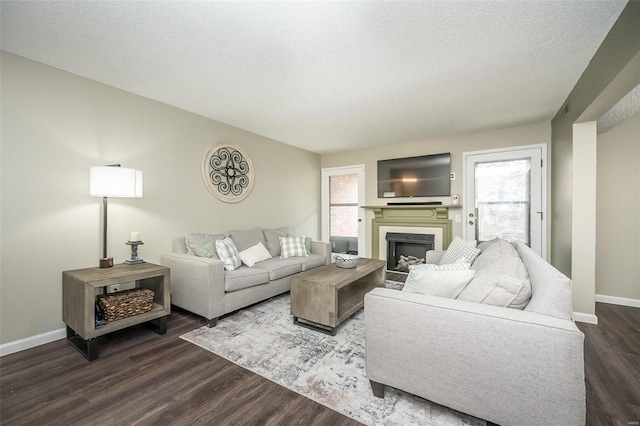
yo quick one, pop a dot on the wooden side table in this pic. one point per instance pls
(81, 286)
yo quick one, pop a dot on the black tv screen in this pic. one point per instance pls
(423, 176)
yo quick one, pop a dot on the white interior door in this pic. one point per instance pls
(342, 215)
(505, 193)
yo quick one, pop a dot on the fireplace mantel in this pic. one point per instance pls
(418, 216)
(441, 211)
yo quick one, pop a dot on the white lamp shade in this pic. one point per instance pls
(110, 181)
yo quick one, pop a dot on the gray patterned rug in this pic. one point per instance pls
(327, 369)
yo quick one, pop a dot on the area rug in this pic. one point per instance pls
(327, 369)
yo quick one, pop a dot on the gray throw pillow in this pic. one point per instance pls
(272, 237)
(504, 282)
(245, 238)
(497, 249)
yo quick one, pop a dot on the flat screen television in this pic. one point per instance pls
(423, 176)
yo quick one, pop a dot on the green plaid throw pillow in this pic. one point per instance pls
(228, 253)
(458, 249)
(292, 247)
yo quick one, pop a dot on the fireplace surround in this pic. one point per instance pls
(405, 249)
(424, 219)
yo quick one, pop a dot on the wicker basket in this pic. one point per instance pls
(346, 261)
(126, 303)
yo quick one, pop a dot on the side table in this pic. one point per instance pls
(80, 288)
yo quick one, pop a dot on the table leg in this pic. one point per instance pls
(159, 325)
(88, 348)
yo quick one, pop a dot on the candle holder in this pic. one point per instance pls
(134, 252)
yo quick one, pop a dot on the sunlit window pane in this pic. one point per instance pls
(502, 200)
(344, 221)
(507, 221)
(343, 189)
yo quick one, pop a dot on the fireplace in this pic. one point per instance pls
(405, 249)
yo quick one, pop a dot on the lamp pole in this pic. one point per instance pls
(104, 227)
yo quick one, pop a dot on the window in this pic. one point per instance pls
(343, 205)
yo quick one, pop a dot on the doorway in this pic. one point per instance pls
(506, 196)
(342, 215)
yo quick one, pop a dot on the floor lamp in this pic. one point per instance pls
(113, 181)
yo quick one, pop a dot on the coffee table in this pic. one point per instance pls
(323, 297)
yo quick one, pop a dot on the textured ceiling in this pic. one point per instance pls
(625, 108)
(326, 76)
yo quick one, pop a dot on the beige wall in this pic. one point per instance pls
(620, 45)
(618, 48)
(456, 145)
(618, 211)
(56, 125)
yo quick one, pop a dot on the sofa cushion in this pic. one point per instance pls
(206, 250)
(254, 254)
(272, 238)
(292, 247)
(459, 249)
(503, 282)
(228, 253)
(245, 238)
(493, 250)
(311, 261)
(198, 240)
(442, 283)
(550, 288)
(279, 268)
(244, 277)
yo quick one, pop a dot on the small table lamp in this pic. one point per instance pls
(113, 181)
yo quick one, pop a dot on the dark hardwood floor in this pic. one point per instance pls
(144, 378)
(612, 366)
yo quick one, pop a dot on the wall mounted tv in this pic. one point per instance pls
(423, 176)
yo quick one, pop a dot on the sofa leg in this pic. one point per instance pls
(377, 388)
(212, 322)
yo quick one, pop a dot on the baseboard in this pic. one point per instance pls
(587, 318)
(32, 342)
(634, 303)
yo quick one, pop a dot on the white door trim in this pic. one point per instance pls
(544, 188)
(344, 170)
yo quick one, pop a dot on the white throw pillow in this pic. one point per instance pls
(459, 265)
(254, 254)
(442, 283)
(459, 249)
(292, 247)
(228, 253)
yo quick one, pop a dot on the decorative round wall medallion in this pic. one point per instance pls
(227, 172)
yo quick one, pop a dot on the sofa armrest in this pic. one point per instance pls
(434, 256)
(197, 283)
(502, 365)
(323, 249)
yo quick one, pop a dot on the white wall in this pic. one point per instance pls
(618, 211)
(525, 135)
(56, 125)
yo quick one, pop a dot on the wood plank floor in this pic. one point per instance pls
(147, 379)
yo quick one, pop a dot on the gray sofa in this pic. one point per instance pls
(506, 366)
(202, 285)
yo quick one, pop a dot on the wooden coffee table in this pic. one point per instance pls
(323, 297)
